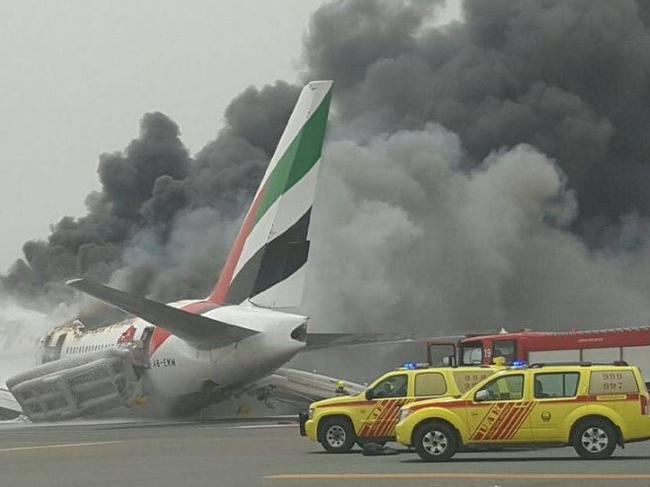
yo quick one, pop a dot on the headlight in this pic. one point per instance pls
(310, 415)
(404, 413)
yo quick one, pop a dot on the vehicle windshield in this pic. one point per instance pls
(472, 353)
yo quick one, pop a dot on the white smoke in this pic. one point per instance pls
(20, 330)
(408, 239)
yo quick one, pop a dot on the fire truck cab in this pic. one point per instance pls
(631, 345)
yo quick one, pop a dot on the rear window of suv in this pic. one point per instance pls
(556, 384)
(466, 380)
(613, 382)
(430, 384)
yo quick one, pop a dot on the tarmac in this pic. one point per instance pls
(271, 453)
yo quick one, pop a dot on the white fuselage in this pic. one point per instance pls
(179, 369)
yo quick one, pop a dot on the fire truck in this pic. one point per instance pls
(631, 345)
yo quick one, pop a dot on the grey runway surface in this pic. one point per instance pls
(162, 454)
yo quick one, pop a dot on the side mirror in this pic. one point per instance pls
(482, 395)
(369, 394)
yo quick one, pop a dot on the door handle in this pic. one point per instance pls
(474, 413)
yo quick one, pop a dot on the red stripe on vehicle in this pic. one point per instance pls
(523, 410)
(495, 422)
(377, 423)
(475, 433)
(523, 418)
(354, 403)
(391, 419)
(447, 405)
(508, 418)
(369, 424)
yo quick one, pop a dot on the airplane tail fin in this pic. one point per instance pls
(266, 264)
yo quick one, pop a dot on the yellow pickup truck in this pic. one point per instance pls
(593, 408)
(371, 416)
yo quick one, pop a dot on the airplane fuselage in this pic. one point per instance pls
(180, 372)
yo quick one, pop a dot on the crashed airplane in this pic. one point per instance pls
(182, 356)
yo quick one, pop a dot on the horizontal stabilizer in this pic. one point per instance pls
(298, 387)
(317, 341)
(200, 331)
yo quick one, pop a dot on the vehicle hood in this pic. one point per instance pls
(333, 401)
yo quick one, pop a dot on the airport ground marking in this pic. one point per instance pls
(59, 445)
(457, 476)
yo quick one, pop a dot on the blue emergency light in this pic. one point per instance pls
(410, 366)
(519, 364)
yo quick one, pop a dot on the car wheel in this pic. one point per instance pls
(435, 442)
(337, 435)
(594, 439)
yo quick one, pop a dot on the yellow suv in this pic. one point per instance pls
(371, 416)
(590, 407)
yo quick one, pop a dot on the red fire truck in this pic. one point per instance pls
(631, 345)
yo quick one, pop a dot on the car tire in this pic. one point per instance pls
(435, 442)
(337, 435)
(594, 439)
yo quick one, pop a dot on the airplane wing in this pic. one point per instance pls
(9, 407)
(318, 341)
(203, 332)
(298, 387)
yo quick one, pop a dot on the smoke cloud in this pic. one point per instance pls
(486, 173)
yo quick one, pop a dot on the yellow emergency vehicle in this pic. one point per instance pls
(370, 416)
(593, 408)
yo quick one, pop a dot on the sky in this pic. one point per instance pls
(77, 77)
